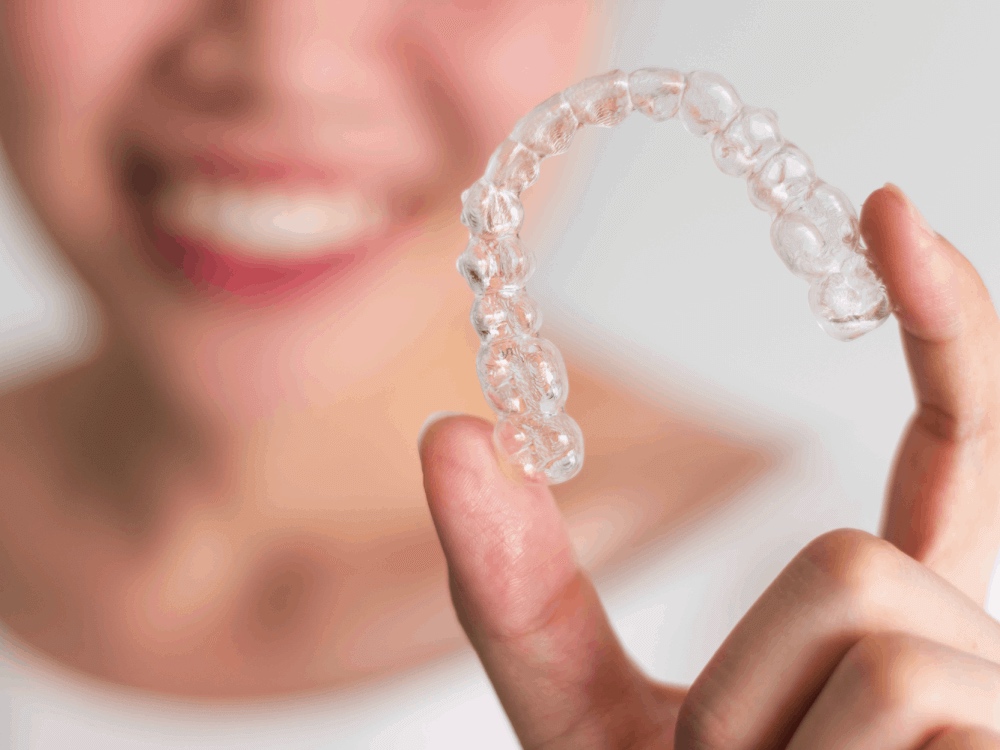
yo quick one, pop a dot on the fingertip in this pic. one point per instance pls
(920, 269)
(892, 226)
(891, 198)
(504, 540)
(464, 478)
(432, 418)
(451, 433)
(455, 446)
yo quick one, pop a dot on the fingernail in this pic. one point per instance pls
(915, 215)
(433, 417)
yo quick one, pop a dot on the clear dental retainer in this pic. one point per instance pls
(814, 230)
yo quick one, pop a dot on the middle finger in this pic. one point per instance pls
(897, 692)
(842, 587)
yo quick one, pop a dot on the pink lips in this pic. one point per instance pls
(207, 268)
(223, 167)
(213, 269)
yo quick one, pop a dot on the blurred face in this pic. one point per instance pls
(230, 177)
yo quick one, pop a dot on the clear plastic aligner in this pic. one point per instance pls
(814, 231)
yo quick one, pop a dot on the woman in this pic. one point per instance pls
(223, 499)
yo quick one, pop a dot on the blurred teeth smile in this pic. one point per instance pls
(261, 222)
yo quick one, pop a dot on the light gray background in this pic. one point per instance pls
(660, 261)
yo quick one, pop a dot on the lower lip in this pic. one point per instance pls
(209, 269)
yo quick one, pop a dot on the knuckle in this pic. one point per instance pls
(850, 564)
(890, 671)
(942, 424)
(972, 422)
(699, 726)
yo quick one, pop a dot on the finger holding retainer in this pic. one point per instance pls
(814, 231)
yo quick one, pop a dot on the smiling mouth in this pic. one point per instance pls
(254, 231)
(263, 223)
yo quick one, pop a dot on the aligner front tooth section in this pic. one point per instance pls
(746, 142)
(814, 231)
(512, 167)
(785, 176)
(547, 129)
(709, 103)
(541, 448)
(491, 212)
(601, 100)
(656, 92)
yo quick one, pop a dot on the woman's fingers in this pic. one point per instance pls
(531, 613)
(943, 504)
(896, 692)
(841, 588)
(964, 739)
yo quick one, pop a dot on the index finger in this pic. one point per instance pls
(942, 505)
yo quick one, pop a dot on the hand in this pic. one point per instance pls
(860, 642)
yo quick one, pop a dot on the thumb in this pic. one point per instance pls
(531, 613)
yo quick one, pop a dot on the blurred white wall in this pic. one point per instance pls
(664, 257)
(667, 255)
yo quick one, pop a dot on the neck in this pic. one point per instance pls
(334, 434)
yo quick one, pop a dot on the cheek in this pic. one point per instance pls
(507, 57)
(537, 54)
(75, 55)
(70, 66)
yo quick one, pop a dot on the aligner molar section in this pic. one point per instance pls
(545, 374)
(547, 129)
(850, 303)
(656, 92)
(541, 448)
(817, 233)
(501, 374)
(523, 373)
(709, 103)
(601, 100)
(801, 247)
(831, 212)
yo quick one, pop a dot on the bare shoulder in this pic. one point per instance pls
(653, 463)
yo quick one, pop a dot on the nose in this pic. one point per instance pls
(287, 54)
(317, 47)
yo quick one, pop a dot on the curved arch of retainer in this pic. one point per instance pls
(814, 230)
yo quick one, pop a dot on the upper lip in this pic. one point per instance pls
(149, 171)
(219, 165)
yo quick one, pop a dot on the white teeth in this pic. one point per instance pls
(263, 223)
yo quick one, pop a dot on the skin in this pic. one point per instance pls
(224, 498)
(861, 642)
